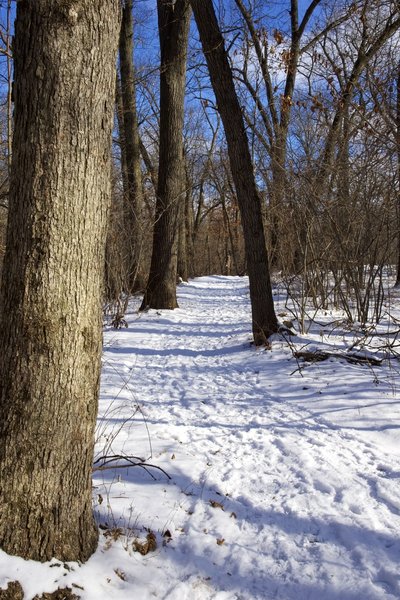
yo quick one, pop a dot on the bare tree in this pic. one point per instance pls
(274, 102)
(50, 330)
(264, 320)
(173, 23)
(368, 41)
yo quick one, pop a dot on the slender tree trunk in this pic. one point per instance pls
(115, 262)
(151, 170)
(9, 88)
(183, 264)
(119, 109)
(50, 329)
(133, 192)
(345, 225)
(230, 234)
(263, 312)
(185, 227)
(397, 284)
(173, 23)
(189, 228)
(277, 198)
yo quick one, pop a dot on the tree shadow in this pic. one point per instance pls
(333, 547)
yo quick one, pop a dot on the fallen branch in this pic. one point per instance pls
(320, 355)
(114, 462)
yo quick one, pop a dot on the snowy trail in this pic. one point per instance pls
(311, 503)
(285, 483)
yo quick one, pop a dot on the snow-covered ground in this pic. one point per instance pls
(284, 475)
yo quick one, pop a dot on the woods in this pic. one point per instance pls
(316, 93)
(246, 140)
(317, 102)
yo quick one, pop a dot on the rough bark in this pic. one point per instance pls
(133, 191)
(173, 22)
(263, 313)
(13, 591)
(50, 313)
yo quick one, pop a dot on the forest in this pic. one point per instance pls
(199, 199)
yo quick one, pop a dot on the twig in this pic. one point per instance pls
(108, 462)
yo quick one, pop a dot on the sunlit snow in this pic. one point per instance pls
(285, 475)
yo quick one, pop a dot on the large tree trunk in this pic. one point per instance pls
(173, 23)
(133, 191)
(263, 312)
(50, 329)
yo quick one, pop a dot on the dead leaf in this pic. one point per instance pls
(216, 504)
(114, 533)
(120, 574)
(145, 547)
(220, 541)
(278, 37)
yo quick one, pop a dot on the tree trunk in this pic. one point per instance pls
(277, 198)
(50, 329)
(133, 191)
(173, 23)
(119, 110)
(9, 87)
(115, 263)
(232, 251)
(183, 265)
(263, 312)
(397, 284)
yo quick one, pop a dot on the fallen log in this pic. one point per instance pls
(320, 355)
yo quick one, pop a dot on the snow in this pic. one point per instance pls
(285, 475)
